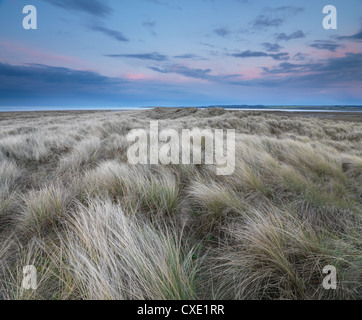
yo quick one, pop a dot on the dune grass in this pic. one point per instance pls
(97, 227)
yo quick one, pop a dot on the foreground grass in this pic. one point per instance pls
(96, 227)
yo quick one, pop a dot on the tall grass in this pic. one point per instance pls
(97, 227)
(277, 256)
(44, 209)
(115, 256)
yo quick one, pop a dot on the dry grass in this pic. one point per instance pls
(97, 227)
(276, 256)
(127, 257)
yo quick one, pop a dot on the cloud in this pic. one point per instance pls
(258, 54)
(222, 32)
(50, 74)
(250, 54)
(285, 11)
(299, 56)
(347, 68)
(295, 35)
(117, 35)
(287, 67)
(189, 56)
(185, 71)
(36, 84)
(274, 17)
(203, 74)
(150, 25)
(41, 85)
(356, 37)
(263, 21)
(142, 56)
(334, 71)
(343, 71)
(271, 47)
(32, 83)
(326, 45)
(93, 7)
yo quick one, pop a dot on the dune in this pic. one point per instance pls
(97, 227)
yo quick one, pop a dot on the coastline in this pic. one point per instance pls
(342, 115)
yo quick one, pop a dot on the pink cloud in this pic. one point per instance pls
(250, 73)
(13, 52)
(135, 76)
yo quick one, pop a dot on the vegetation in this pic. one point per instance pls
(97, 227)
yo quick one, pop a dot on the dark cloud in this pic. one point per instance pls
(189, 56)
(52, 74)
(203, 74)
(287, 67)
(155, 56)
(258, 54)
(280, 56)
(295, 35)
(185, 71)
(222, 32)
(299, 56)
(93, 7)
(35, 82)
(263, 21)
(334, 71)
(250, 54)
(117, 35)
(271, 47)
(274, 17)
(41, 85)
(346, 68)
(356, 37)
(326, 45)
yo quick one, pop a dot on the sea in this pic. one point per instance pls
(333, 109)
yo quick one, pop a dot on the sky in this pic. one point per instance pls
(128, 53)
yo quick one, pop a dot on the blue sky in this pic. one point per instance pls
(171, 53)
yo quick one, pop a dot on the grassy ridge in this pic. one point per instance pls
(97, 227)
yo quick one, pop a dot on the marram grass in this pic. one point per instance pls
(96, 227)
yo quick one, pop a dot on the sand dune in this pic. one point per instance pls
(96, 227)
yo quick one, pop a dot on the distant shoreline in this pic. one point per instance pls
(335, 115)
(292, 109)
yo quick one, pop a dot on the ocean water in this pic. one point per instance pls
(295, 110)
(21, 109)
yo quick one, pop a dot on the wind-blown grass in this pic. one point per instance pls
(128, 258)
(97, 227)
